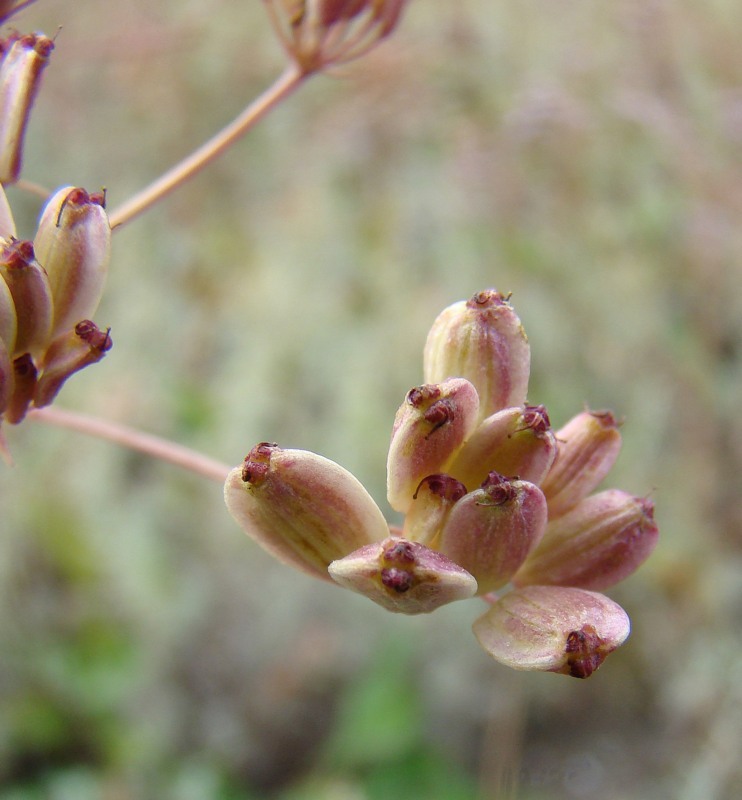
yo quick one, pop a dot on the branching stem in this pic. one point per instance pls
(286, 84)
(153, 446)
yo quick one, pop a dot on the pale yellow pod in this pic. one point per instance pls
(73, 244)
(304, 509)
(7, 225)
(8, 318)
(482, 340)
(20, 78)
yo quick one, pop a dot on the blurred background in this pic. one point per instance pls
(585, 156)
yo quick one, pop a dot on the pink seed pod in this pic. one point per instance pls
(73, 244)
(404, 577)
(594, 545)
(433, 501)
(7, 225)
(429, 428)
(29, 287)
(517, 442)
(8, 318)
(491, 531)
(587, 448)
(482, 340)
(6, 377)
(20, 78)
(74, 350)
(553, 629)
(330, 12)
(23, 386)
(304, 509)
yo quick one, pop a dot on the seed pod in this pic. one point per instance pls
(404, 577)
(517, 442)
(587, 448)
(491, 531)
(24, 384)
(6, 377)
(73, 244)
(596, 544)
(69, 353)
(20, 78)
(29, 288)
(302, 508)
(8, 319)
(553, 629)
(330, 12)
(482, 340)
(432, 503)
(7, 225)
(429, 428)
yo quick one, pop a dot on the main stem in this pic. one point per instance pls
(153, 446)
(291, 79)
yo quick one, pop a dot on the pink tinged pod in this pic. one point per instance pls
(433, 501)
(404, 577)
(514, 442)
(302, 508)
(6, 377)
(388, 13)
(596, 544)
(74, 350)
(587, 448)
(8, 317)
(23, 386)
(7, 225)
(553, 629)
(430, 427)
(491, 531)
(482, 340)
(29, 288)
(331, 12)
(20, 78)
(73, 244)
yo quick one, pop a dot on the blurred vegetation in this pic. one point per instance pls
(585, 156)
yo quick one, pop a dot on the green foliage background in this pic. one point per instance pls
(583, 155)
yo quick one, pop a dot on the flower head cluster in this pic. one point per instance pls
(318, 34)
(495, 504)
(492, 499)
(49, 289)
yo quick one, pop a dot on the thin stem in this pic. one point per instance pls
(146, 443)
(33, 188)
(287, 83)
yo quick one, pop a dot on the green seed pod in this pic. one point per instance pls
(73, 244)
